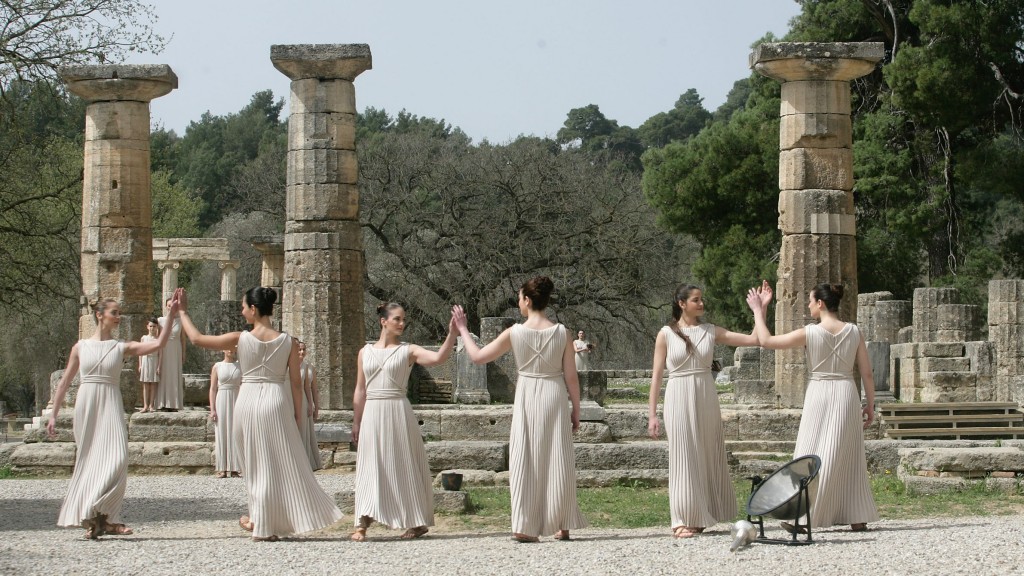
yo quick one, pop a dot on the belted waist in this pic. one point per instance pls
(386, 394)
(830, 376)
(689, 372)
(97, 379)
(541, 374)
(262, 380)
(227, 386)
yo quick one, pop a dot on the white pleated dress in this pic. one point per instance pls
(148, 363)
(307, 428)
(831, 427)
(542, 463)
(170, 389)
(229, 378)
(101, 437)
(393, 482)
(700, 490)
(284, 496)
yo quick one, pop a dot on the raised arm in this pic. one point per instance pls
(572, 382)
(757, 303)
(223, 342)
(70, 371)
(144, 348)
(867, 380)
(723, 336)
(424, 357)
(657, 370)
(489, 353)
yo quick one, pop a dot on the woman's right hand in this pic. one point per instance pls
(182, 299)
(355, 433)
(754, 300)
(459, 318)
(653, 427)
(213, 415)
(51, 426)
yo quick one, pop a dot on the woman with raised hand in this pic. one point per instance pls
(393, 482)
(700, 491)
(832, 422)
(170, 388)
(225, 378)
(284, 496)
(310, 410)
(96, 492)
(542, 464)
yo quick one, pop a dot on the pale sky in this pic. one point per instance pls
(494, 69)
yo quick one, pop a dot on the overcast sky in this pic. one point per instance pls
(494, 69)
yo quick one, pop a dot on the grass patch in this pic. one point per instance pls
(6, 473)
(973, 500)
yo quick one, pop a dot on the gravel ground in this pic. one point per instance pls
(188, 525)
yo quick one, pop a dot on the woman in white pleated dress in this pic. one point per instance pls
(545, 414)
(833, 421)
(700, 489)
(170, 389)
(149, 367)
(310, 410)
(393, 482)
(284, 496)
(225, 378)
(96, 492)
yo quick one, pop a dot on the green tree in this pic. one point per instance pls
(685, 120)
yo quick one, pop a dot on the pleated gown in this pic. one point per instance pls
(700, 490)
(229, 378)
(307, 428)
(170, 389)
(393, 482)
(542, 464)
(284, 496)
(101, 438)
(831, 427)
(148, 363)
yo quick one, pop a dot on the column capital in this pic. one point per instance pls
(229, 265)
(129, 82)
(842, 61)
(269, 245)
(168, 264)
(323, 61)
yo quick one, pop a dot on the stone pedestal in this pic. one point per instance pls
(816, 213)
(503, 372)
(926, 311)
(891, 316)
(470, 378)
(322, 302)
(229, 280)
(271, 250)
(117, 227)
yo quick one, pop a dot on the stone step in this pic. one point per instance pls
(445, 501)
(780, 457)
(933, 470)
(776, 446)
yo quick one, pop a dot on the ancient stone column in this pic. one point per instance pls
(272, 265)
(816, 213)
(169, 272)
(117, 228)
(1006, 330)
(323, 249)
(229, 280)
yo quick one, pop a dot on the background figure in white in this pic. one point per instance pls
(700, 491)
(170, 391)
(225, 378)
(96, 491)
(833, 420)
(583, 350)
(310, 409)
(542, 464)
(149, 367)
(393, 482)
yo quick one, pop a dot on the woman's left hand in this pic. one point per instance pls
(869, 415)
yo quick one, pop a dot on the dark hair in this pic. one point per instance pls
(384, 309)
(538, 289)
(830, 294)
(100, 307)
(154, 320)
(262, 298)
(682, 293)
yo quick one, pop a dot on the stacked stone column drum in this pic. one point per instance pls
(117, 229)
(1006, 331)
(323, 253)
(816, 213)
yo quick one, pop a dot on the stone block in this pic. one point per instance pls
(330, 131)
(1006, 313)
(470, 454)
(321, 61)
(879, 357)
(429, 422)
(767, 364)
(905, 335)
(626, 424)
(184, 426)
(445, 502)
(316, 96)
(744, 354)
(975, 459)
(157, 456)
(1009, 340)
(593, 433)
(333, 433)
(197, 388)
(322, 166)
(625, 456)
(330, 201)
(137, 83)
(815, 97)
(816, 168)
(767, 424)
(941, 349)
(593, 386)
(1005, 291)
(949, 387)
(755, 392)
(590, 411)
(815, 130)
(937, 364)
(470, 478)
(494, 423)
(6, 451)
(470, 378)
(819, 61)
(926, 303)
(612, 478)
(115, 120)
(890, 317)
(44, 454)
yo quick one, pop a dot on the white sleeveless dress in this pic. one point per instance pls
(393, 482)
(101, 437)
(307, 427)
(284, 496)
(148, 363)
(542, 463)
(229, 378)
(700, 490)
(831, 427)
(170, 390)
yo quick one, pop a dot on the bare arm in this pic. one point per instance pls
(572, 383)
(795, 339)
(657, 370)
(868, 381)
(213, 393)
(314, 393)
(144, 348)
(424, 357)
(358, 398)
(62, 389)
(295, 376)
(223, 342)
(723, 336)
(489, 353)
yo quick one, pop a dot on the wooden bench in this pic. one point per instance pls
(953, 420)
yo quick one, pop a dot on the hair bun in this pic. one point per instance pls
(545, 285)
(837, 289)
(270, 295)
(382, 307)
